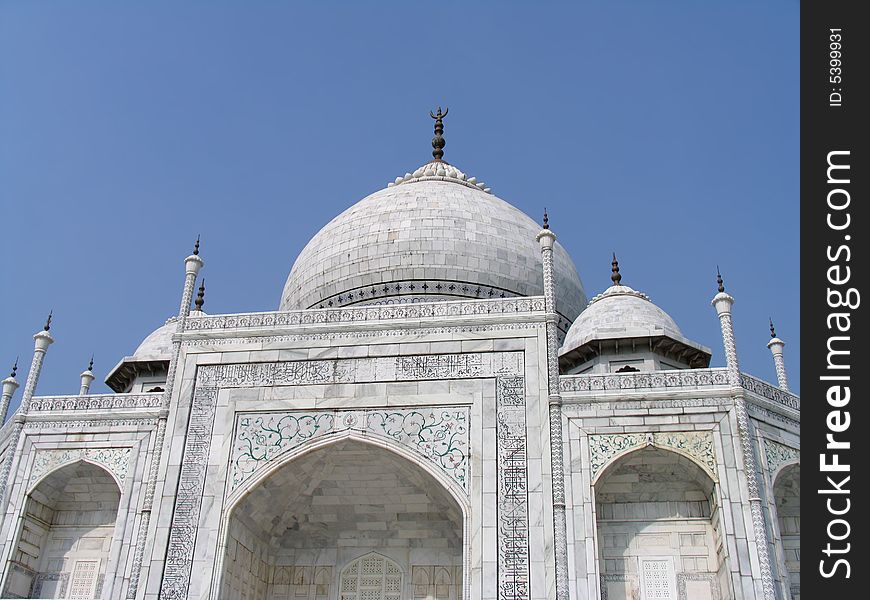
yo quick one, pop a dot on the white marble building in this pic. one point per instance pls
(433, 412)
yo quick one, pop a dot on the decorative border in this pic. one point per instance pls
(440, 435)
(95, 402)
(759, 412)
(685, 576)
(355, 314)
(115, 460)
(574, 408)
(765, 390)
(779, 455)
(697, 445)
(210, 379)
(356, 335)
(513, 509)
(688, 378)
(81, 424)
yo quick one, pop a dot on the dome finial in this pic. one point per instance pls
(719, 280)
(438, 142)
(546, 219)
(47, 325)
(91, 364)
(200, 296)
(772, 330)
(196, 246)
(615, 277)
(14, 368)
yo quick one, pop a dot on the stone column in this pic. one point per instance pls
(42, 340)
(722, 302)
(192, 266)
(10, 384)
(776, 345)
(547, 239)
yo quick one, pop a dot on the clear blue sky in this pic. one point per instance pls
(665, 131)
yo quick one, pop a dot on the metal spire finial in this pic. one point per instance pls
(546, 219)
(438, 142)
(200, 296)
(719, 280)
(47, 325)
(615, 277)
(91, 364)
(14, 368)
(772, 330)
(196, 247)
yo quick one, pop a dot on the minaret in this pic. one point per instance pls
(776, 345)
(547, 240)
(41, 341)
(192, 266)
(10, 384)
(87, 377)
(723, 302)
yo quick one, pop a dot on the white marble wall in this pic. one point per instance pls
(345, 375)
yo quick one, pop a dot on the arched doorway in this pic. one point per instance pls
(658, 539)
(349, 521)
(65, 536)
(787, 493)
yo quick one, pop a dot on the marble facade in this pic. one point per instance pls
(421, 445)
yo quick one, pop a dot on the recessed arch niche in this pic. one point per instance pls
(298, 530)
(657, 529)
(65, 534)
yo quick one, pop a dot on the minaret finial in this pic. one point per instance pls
(719, 280)
(772, 330)
(615, 277)
(200, 296)
(546, 219)
(196, 247)
(438, 142)
(14, 368)
(91, 364)
(47, 325)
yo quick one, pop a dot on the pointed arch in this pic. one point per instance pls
(657, 520)
(66, 531)
(345, 486)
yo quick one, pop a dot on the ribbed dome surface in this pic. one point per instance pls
(426, 240)
(619, 312)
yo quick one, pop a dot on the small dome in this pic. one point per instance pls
(616, 320)
(151, 359)
(619, 312)
(158, 344)
(432, 235)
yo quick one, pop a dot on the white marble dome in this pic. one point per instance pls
(158, 344)
(432, 235)
(618, 313)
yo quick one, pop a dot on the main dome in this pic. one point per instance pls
(431, 235)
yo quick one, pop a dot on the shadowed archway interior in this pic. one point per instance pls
(787, 492)
(296, 532)
(658, 536)
(65, 535)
